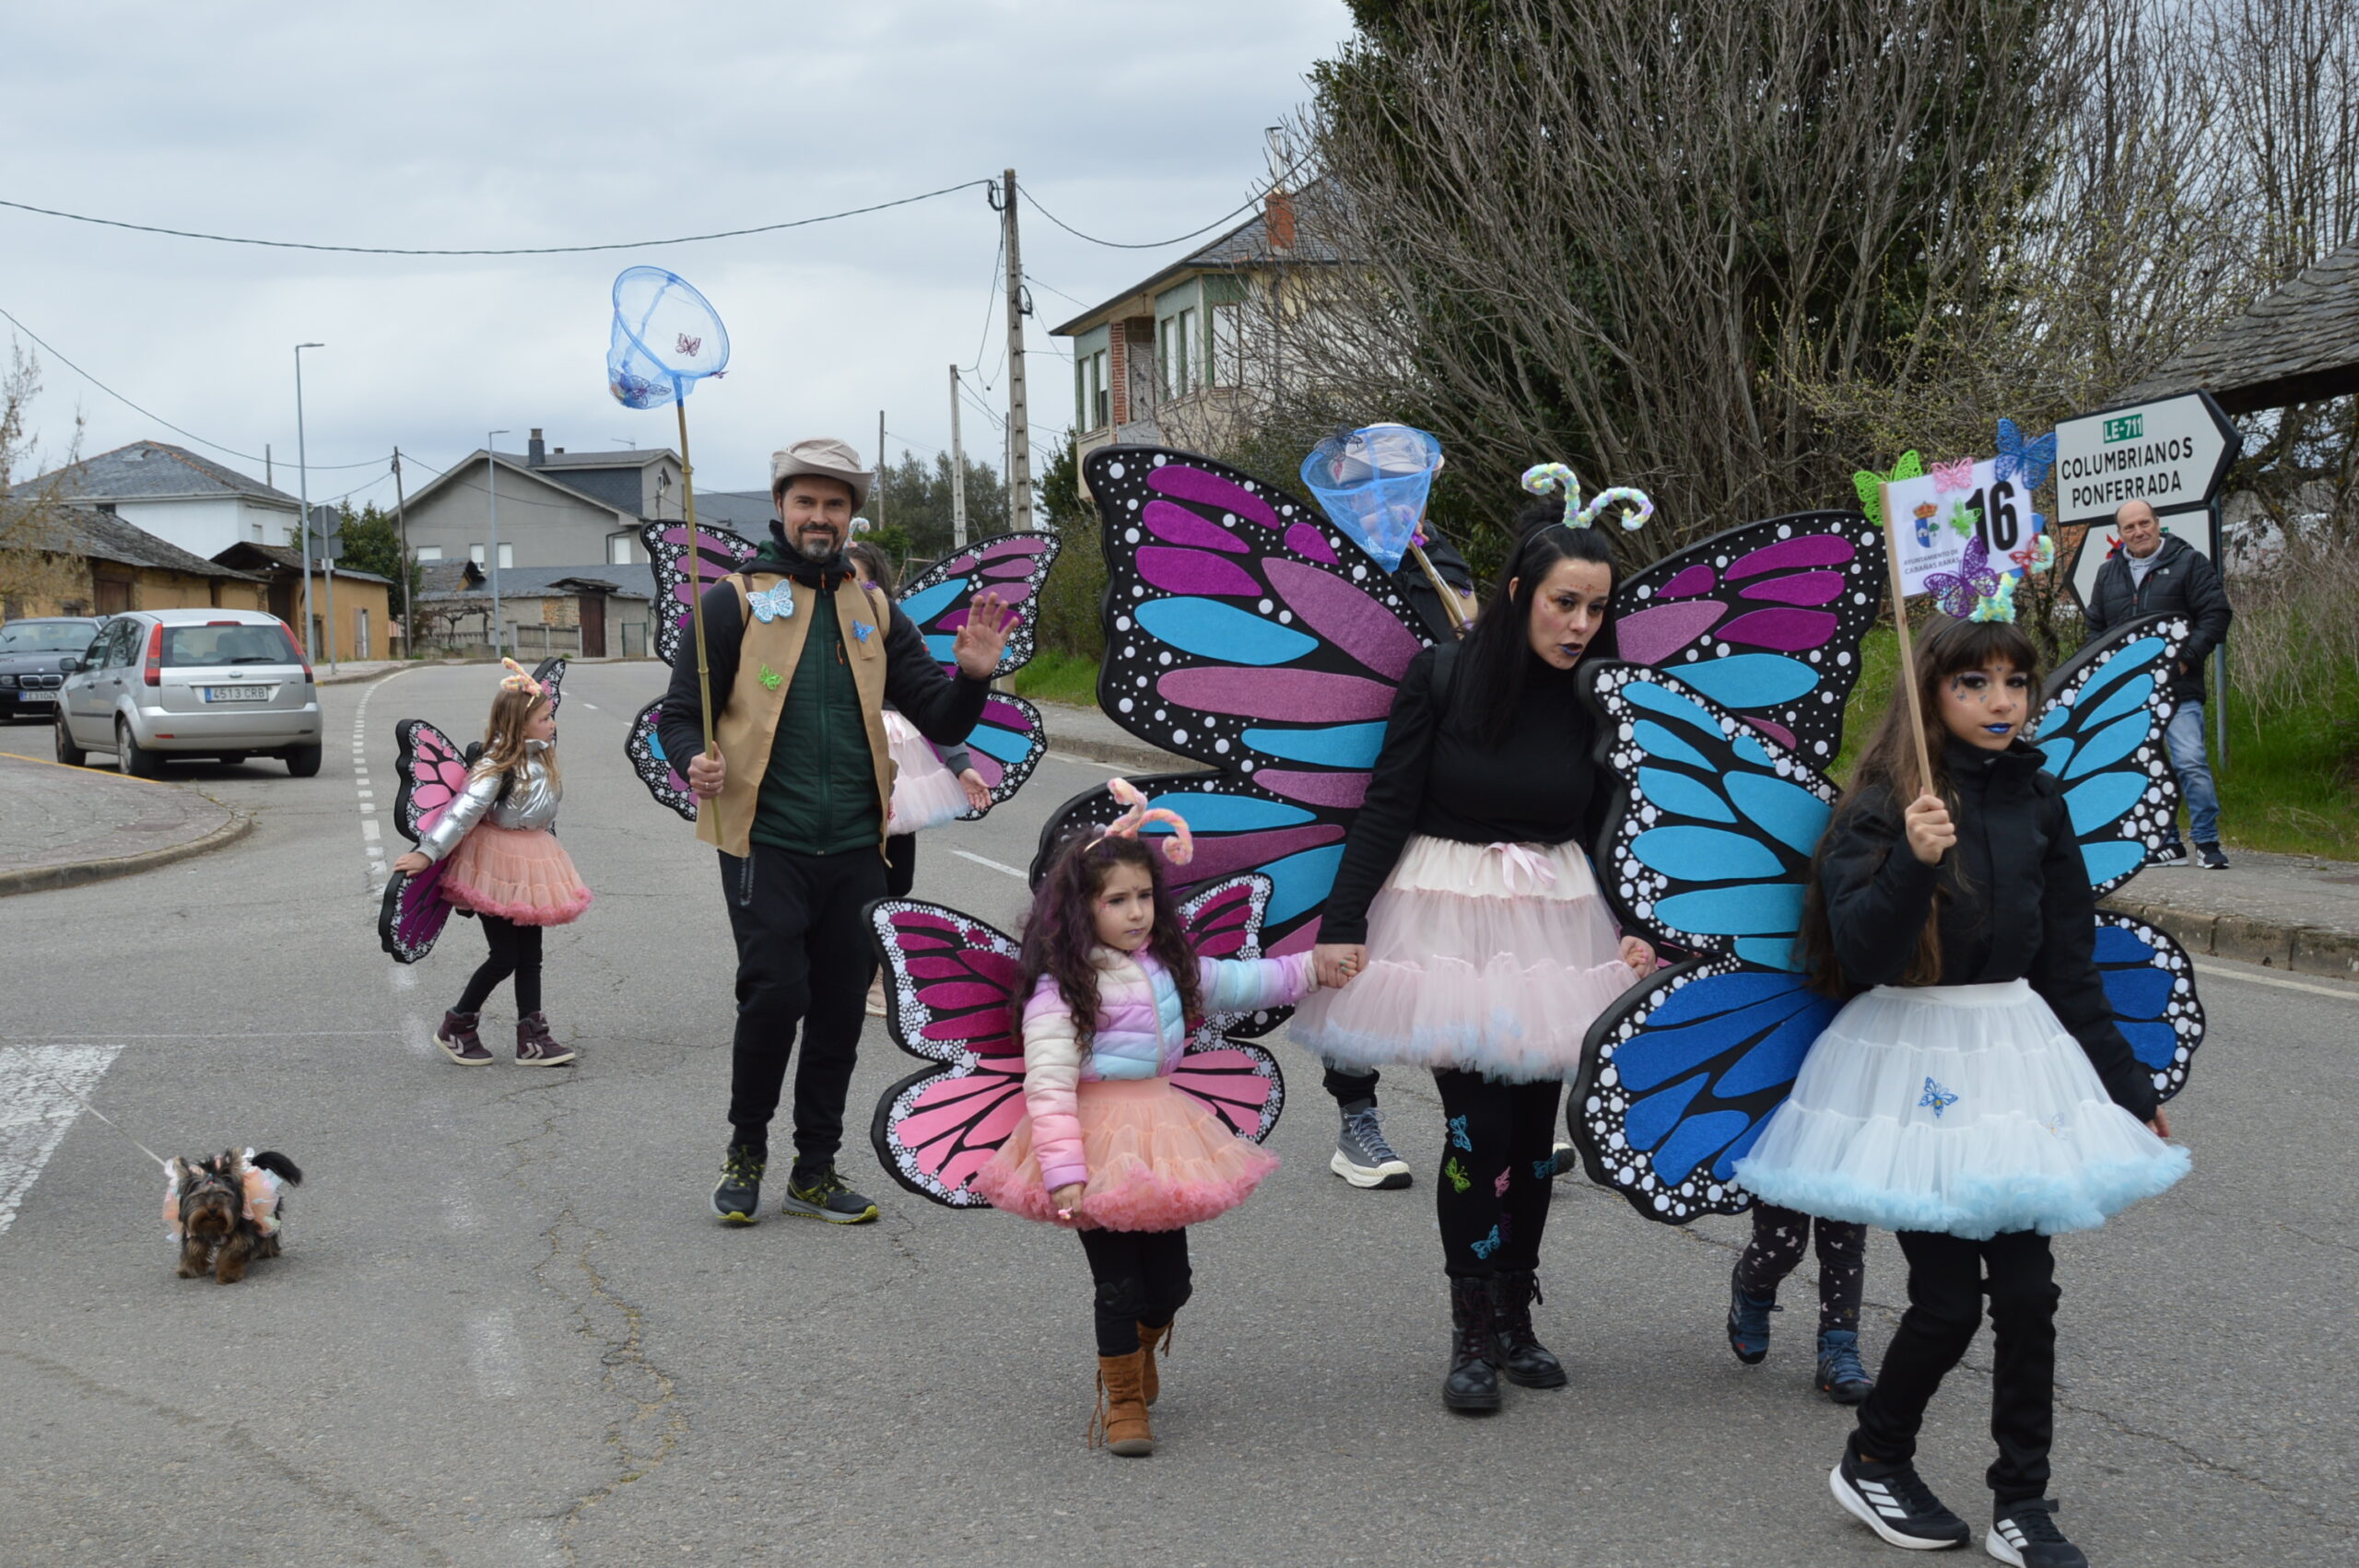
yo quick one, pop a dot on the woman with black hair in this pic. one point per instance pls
(1466, 917)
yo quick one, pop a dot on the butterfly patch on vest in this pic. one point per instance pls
(770, 678)
(771, 604)
(861, 630)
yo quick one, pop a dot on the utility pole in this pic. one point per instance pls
(409, 575)
(303, 500)
(957, 470)
(491, 555)
(1019, 433)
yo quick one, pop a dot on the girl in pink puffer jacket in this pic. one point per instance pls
(1110, 1147)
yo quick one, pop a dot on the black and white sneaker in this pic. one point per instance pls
(2169, 856)
(2026, 1534)
(1892, 1500)
(2208, 856)
(1363, 1157)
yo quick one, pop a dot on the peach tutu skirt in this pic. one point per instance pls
(1492, 958)
(1158, 1159)
(925, 793)
(518, 873)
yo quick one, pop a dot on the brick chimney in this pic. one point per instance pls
(535, 452)
(1277, 207)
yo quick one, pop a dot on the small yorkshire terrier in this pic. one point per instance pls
(228, 1211)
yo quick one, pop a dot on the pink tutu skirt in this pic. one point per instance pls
(1158, 1159)
(1492, 958)
(925, 793)
(518, 873)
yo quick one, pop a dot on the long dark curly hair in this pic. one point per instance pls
(1062, 929)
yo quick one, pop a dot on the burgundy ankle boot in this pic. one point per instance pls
(457, 1038)
(533, 1046)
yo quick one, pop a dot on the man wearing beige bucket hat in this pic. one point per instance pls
(801, 664)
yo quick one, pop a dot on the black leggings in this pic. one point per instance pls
(1499, 1169)
(515, 950)
(901, 864)
(1779, 1235)
(1143, 1278)
(1947, 1280)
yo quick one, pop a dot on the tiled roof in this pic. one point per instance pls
(2296, 344)
(745, 512)
(80, 530)
(633, 457)
(149, 468)
(289, 558)
(1243, 247)
(540, 582)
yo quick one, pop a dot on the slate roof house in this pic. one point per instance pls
(555, 507)
(593, 612)
(200, 506)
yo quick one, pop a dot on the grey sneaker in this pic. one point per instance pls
(738, 1198)
(822, 1195)
(1364, 1158)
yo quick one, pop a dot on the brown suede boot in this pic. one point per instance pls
(1120, 1422)
(1151, 1340)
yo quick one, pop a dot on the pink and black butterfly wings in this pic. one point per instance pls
(432, 771)
(644, 746)
(1238, 1083)
(681, 574)
(550, 673)
(950, 1000)
(1766, 619)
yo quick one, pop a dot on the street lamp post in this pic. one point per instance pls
(491, 562)
(303, 499)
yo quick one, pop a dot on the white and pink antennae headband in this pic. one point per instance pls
(1179, 848)
(517, 678)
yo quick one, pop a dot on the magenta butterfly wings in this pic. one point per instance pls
(951, 1000)
(679, 578)
(1956, 591)
(432, 770)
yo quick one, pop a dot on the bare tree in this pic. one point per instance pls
(34, 572)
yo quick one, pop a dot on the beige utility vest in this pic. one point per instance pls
(768, 657)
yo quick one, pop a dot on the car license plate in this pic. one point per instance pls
(37, 696)
(237, 694)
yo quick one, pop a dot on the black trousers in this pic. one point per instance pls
(1779, 1237)
(803, 960)
(1947, 1280)
(1498, 1170)
(901, 864)
(1142, 1277)
(515, 950)
(1349, 1087)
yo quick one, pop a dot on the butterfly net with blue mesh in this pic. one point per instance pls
(1373, 483)
(666, 338)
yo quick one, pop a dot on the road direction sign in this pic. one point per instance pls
(2170, 454)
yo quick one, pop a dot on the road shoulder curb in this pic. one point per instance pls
(77, 873)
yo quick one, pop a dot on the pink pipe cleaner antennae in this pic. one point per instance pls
(517, 678)
(1179, 848)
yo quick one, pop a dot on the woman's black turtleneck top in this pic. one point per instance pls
(2016, 902)
(1435, 777)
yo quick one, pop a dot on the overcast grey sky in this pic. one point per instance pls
(433, 125)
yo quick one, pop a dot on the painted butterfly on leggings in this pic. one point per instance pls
(1246, 631)
(1708, 846)
(1006, 744)
(951, 1000)
(431, 769)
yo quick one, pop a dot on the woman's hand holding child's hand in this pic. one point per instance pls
(1068, 1200)
(412, 863)
(1335, 962)
(1638, 956)
(1930, 833)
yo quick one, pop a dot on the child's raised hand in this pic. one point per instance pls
(1930, 834)
(1638, 956)
(412, 863)
(1068, 1198)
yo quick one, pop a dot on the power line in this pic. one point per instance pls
(200, 440)
(1026, 192)
(484, 251)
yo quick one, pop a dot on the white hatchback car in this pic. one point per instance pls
(225, 683)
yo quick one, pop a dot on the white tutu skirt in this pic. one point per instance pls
(1968, 1110)
(1493, 959)
(925, 793)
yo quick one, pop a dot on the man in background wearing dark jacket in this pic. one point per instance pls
(2154, 575)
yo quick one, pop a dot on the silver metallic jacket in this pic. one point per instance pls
(532, 802)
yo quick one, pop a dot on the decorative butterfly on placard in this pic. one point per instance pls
(1246, 631)
(1708, 846)
(2026, 463)
(432, 769)
(1006, 744)
(951, 1000)
(1956, 591)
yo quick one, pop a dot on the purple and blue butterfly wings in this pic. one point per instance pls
(951, 1001)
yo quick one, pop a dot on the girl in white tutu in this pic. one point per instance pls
(1975, 1094)
(1466, 915)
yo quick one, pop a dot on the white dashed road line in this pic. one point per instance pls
(2340, 993)
(989, 865)
(36, 1109)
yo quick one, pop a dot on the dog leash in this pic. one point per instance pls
(94, 1110)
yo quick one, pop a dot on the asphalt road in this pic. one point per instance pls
(508, 1331)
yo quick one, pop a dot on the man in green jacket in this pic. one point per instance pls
(801, 663)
